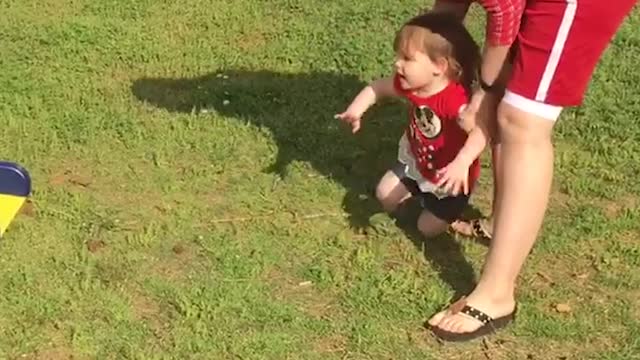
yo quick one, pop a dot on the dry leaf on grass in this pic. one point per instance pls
(563, 308)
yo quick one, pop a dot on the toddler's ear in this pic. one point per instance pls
(442, 64)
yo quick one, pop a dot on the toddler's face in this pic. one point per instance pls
(416, 70)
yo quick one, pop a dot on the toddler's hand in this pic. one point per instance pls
(454, 178)
(350, 117)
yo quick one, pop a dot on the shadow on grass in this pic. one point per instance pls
(298, 109)
(443, 251)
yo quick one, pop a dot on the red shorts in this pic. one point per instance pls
(557, 49)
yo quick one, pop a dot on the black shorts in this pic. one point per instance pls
(447, 209)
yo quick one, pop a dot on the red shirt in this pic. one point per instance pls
(434, 138)
(503, 19)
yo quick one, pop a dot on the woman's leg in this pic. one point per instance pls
(559, 54)
(525, 178)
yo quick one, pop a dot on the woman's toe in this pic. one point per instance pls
(437, 318)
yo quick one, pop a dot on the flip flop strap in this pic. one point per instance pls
(476, 314)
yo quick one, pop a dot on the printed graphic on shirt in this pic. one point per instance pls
(427, 121)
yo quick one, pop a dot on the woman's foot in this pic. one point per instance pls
(472, 317)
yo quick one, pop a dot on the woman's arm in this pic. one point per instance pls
(503, 24)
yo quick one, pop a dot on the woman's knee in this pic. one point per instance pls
(517, 125)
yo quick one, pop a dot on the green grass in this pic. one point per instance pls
(150, 234)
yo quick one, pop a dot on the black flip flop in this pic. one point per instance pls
(489, 324)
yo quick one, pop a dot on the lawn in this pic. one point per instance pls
(195, 199)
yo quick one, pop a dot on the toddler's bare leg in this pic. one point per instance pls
(430, 225)
(391, 192)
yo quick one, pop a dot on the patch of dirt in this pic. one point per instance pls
(558, 270)
(58, 179)
(56, 353)
(558, 200)
(302, 293)
(95, 245)
(507, 347)
(614, 208)
(57, 348)
(421, 338)
(632, 297)
(147, 310)
(144, 307)
(70, 176)
(178, 249)
(28, 209)
(251, 40)
(330, 344)
(175, 264)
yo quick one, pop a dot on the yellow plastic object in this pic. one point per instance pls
(15, 187)
(9, 207)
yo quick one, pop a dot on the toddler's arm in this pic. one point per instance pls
(476, 141)
(454, 178)
(368, 96)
